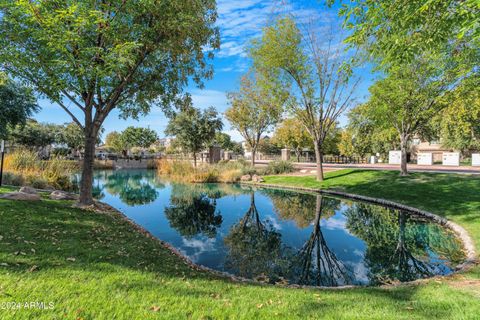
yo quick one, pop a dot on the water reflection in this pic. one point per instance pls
(192, 211)
(134, 187)
(280, 236)
(255, 247)
(316, 263)
(398, 246)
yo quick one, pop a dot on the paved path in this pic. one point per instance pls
(382, 166)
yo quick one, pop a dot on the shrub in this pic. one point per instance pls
(103, 165)
(37, 182)
(185, 171)
(231, 175)
(54, 173)
(279, 167)
(13, 179)
(224, 171)
(22, 160)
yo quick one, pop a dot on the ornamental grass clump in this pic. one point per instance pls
(24, 167)
(279, 167)
(224, 171)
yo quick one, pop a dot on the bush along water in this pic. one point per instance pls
(24, 167)
(223, 171)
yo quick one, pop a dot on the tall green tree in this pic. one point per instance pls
(458, 126)
(138, 137)
(313, 72)
(91, 57)
(35, 135)
(255, 109)
(72, 136)
(364, 136)
(407, 99)
(17, 104)
(194, 129)
(224, 140)
(114, 141)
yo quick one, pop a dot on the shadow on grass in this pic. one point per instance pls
(71, 239)
(443, 194)
(337, 174)
(47, 235)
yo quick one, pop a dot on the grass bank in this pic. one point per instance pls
(96, 266)
(454, 196)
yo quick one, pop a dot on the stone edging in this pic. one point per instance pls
(460, 232)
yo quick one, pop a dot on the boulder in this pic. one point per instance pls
(246, 177)
(62, 195)
(28, 190)
(257, 178)
(20, 196)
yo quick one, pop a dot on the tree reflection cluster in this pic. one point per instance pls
(398, 246)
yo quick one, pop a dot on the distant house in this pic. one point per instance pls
(165, 142)
(435, 147)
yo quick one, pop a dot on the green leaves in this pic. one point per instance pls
(138, 137)
(17, 104)
(395, 33)
(108, 54)
(105, 55)
(194, 129)
(255, 108)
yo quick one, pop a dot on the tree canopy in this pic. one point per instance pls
(36, 135)
(364, 135)
(91, 57)
(407, 99)
(396, 32)
(194, 129)
(17, 102)
(224, 140)
(458, 125)
(138, 137)
(311, 71)
(255, 109)
(292, 134)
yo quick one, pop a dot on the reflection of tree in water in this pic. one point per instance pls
(133, 187)
(255, 247)
(399, 246)
(192, 211)
(315, 263)
(293, 206)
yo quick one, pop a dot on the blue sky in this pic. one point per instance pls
(239, 22)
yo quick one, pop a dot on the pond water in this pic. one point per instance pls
(280, 236)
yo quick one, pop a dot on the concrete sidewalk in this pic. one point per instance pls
(383, 166)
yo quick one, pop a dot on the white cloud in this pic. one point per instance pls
(198, 246)
(242, 21)
(334, 223)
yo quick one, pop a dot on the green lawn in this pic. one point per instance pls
(96, 266)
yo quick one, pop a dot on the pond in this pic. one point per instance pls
(280, 236)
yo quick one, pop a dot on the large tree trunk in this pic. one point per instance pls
(195, 159)
(86, 184)
(319, 160)
(403, 148)
(253, 156)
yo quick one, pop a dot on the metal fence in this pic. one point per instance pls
(344, 160)
(330, 159)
